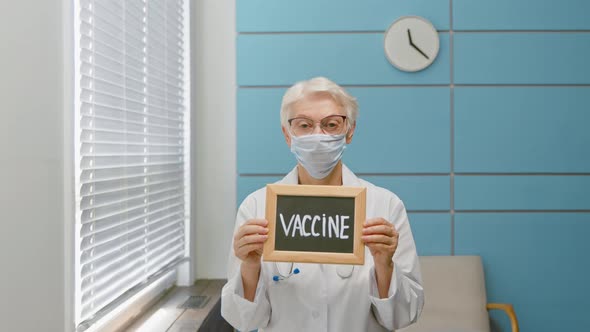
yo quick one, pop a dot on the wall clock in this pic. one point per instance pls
(411, 43)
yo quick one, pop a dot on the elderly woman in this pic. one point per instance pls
(318, 120)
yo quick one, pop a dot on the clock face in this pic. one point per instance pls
(411, 43)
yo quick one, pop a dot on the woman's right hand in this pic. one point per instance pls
(248, 243)
(249, 240)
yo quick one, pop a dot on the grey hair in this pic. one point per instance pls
(319, 85)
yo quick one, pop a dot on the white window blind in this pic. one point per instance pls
(131, 149)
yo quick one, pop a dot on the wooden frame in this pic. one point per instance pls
(356, 257)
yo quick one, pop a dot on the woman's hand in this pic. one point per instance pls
(248, 243)
(249, 240)
(380, 236)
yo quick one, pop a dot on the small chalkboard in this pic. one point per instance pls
(315, 224)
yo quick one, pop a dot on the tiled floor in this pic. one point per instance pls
(166, 316)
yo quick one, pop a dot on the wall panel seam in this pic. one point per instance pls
(524, 211)
(281, 86)
(459, 85)
(522, 174)
(359, 174)
(466, 31)
(452, 124)
(319, 32)
(520, 31)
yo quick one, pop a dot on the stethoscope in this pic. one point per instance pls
(343, 271)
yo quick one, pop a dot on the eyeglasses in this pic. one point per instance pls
(332, 125)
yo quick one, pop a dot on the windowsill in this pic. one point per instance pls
(166, 314)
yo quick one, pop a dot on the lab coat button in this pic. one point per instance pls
(315, 314)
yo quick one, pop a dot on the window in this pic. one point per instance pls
(132, 167)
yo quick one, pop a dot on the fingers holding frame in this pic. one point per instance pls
(250, 237)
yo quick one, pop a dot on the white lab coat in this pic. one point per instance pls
(319, 298)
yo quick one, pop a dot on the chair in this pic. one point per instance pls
(455, 296)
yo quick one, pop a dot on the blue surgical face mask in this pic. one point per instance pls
(318, 153)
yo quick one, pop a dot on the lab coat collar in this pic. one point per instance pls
(348, 177)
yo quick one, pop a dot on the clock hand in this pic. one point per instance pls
(419, 50)
(414, 45)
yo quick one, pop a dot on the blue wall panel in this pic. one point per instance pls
(431, 233)
(357, 58)
(521, 14)
(533, 129)
(399, 130)
(522, 192)
(417, 192)
(535, 261)
(521, 58)
(261, 145)
(335, 15)
(249, 184)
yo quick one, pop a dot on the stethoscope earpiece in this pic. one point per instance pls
(280, 276)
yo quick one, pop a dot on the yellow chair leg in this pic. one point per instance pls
(509, 310)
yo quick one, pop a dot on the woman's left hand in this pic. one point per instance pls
(380, 236)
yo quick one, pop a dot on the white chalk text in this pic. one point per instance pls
(316, 226)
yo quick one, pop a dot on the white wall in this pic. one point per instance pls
(214, 132)
(31, 167)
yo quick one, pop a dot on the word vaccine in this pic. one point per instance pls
(316, 226)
